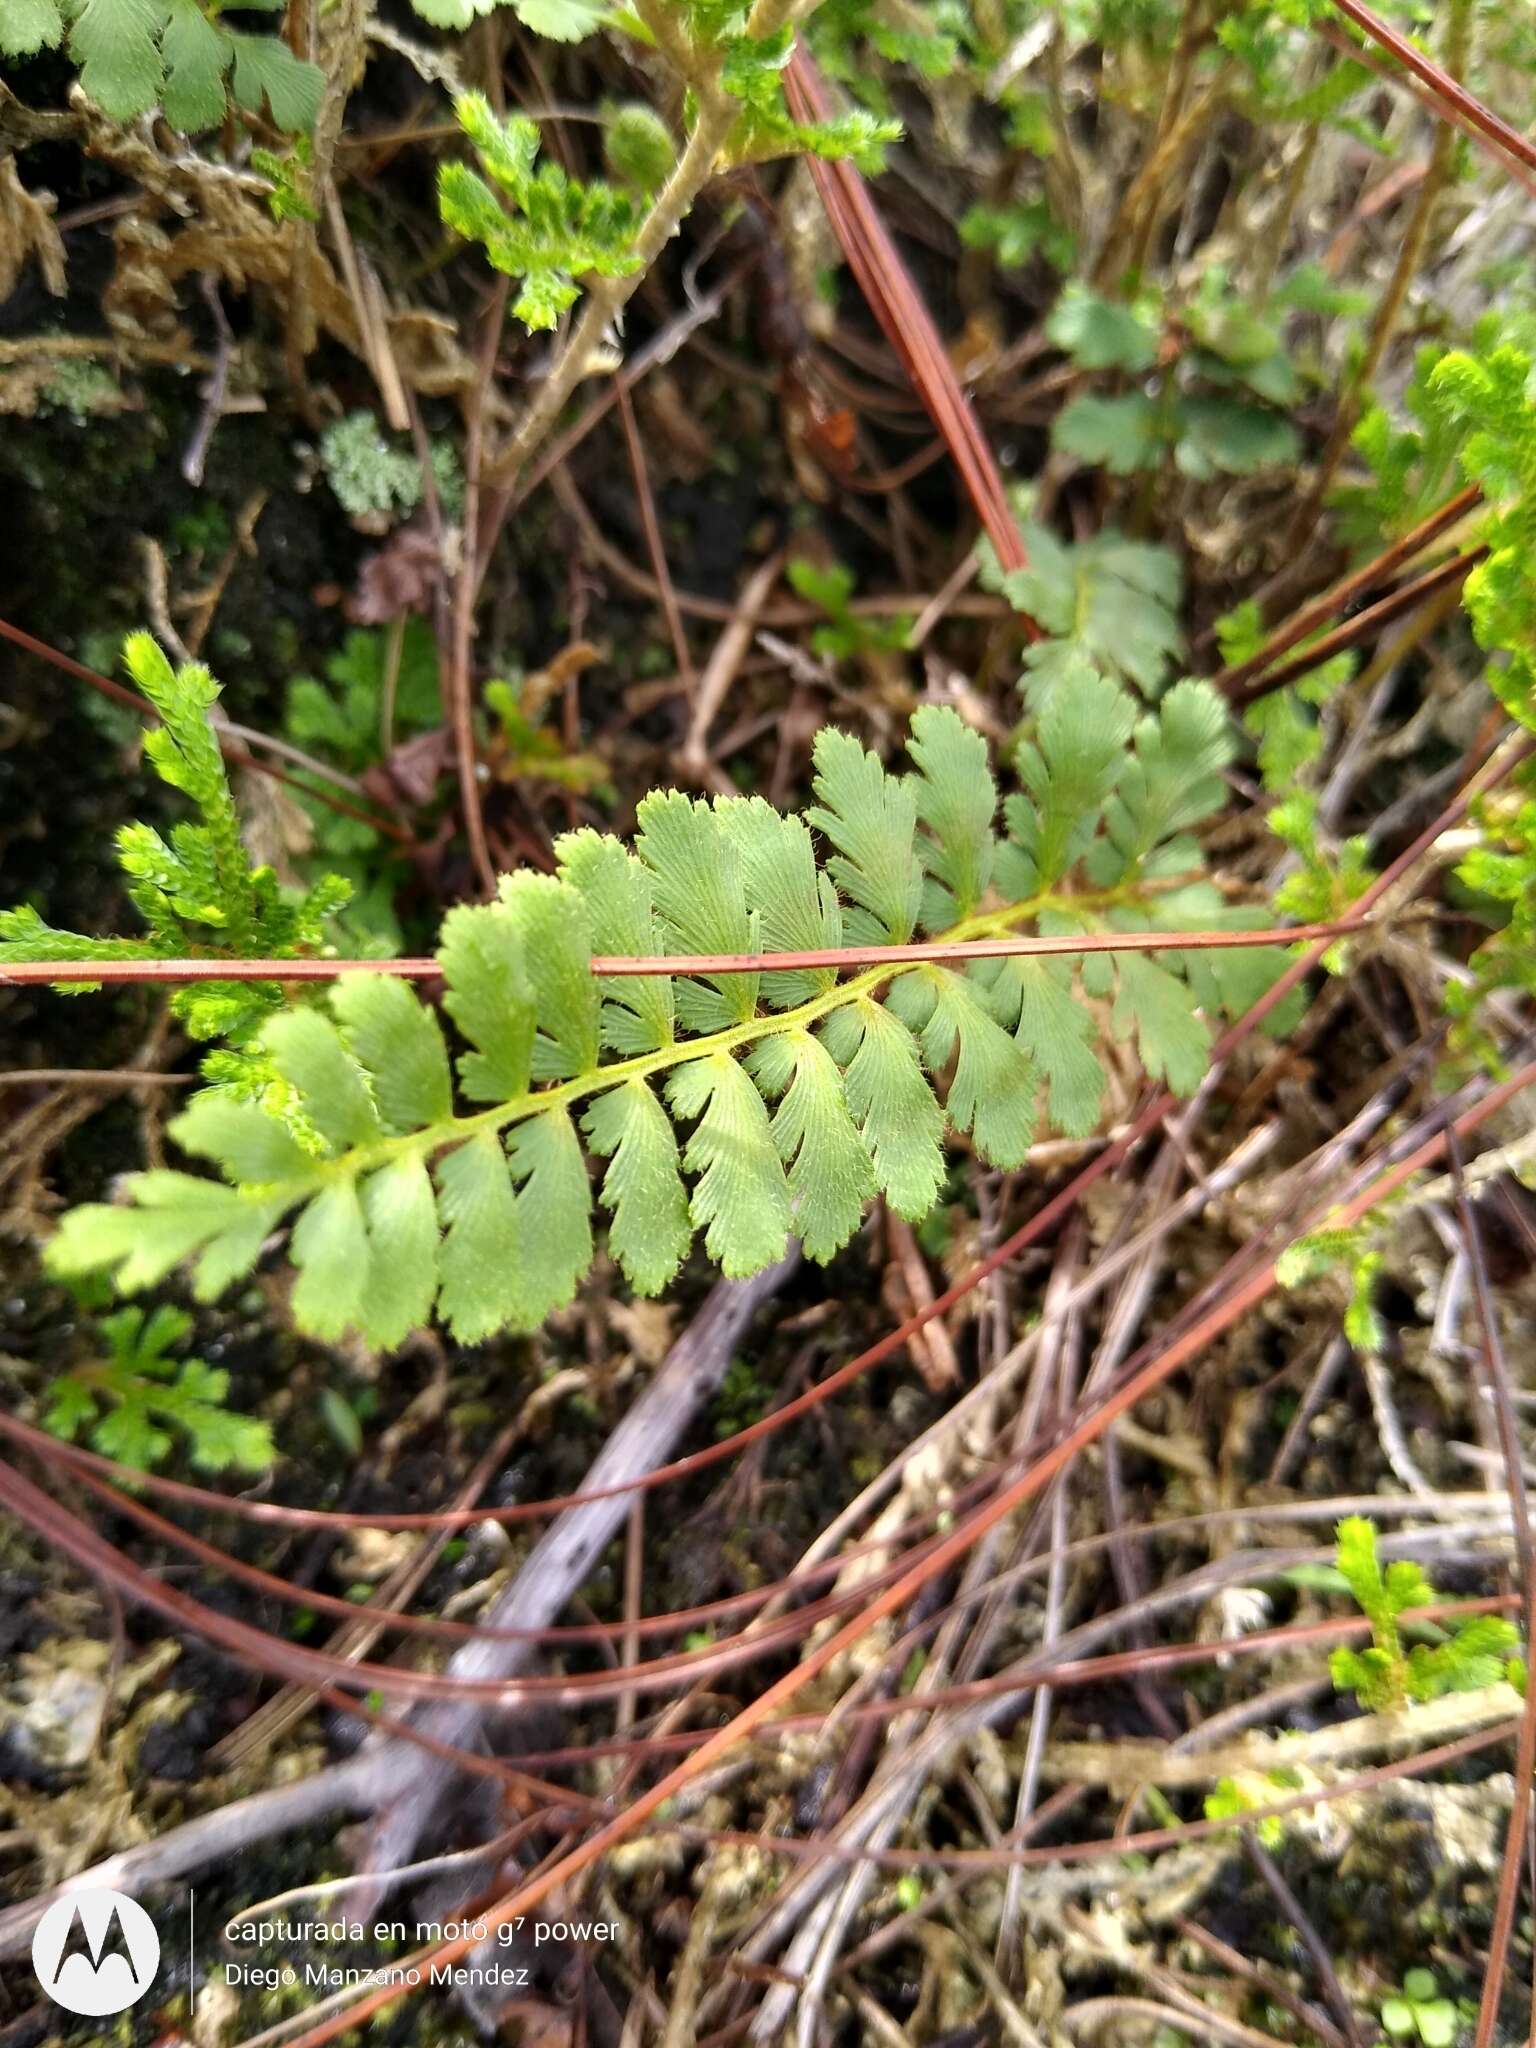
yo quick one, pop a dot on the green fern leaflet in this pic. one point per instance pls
(437, 1164)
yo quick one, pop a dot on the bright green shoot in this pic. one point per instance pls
(133, 1404)
(1387, 1675)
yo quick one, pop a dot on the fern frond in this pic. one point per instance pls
(1476, 1651)
(556, 230)
(1106, 603)
(199, 893)
(745, 1105)
(123, 1400)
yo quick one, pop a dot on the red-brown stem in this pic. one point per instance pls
(1499, 1390)
(461, 626)
(1361, 627)
(1071, 1672)
(1447, 90)
(442, 1629)
(1348, 47)
(645, 498)
(87, 1466)
(261, 1652)
(22, 971)
(230, 749)
(265, 1652)
(904, 319)
(1348, 588)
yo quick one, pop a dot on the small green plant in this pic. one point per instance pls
(752, 74)
(1419, 2012)
(198, 893)
(742, 1398)
(534, 222)
(526, 748)
(1107, 604)
(1214, 400)
(1232, 1798)
(379, 688)
(923, 36)
(845, 633)
(1475, 1652)
(1289, 738)
(1330, 877)
(1013, 233)
(1411, 463)
(373, 690)
(134, 1403)
(1490, 397)
(289, 173)
(175, 54)
(1322, 1251)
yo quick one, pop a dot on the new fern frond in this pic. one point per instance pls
(198, 893)
(1494, 396)
(798, 1095)
(1475, 1653)
(129, 1402)
(1106, 603)
(1352, 1249)
(752, 72)
(544, 228)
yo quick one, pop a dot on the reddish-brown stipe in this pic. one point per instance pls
(687, 963)
(906, 322)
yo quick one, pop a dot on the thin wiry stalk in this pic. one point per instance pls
(1410, 256)
(1267, 1982)
(317, 1668)
(645, 498)
(1448, 91)
(1068, 1674)
(1343, 593)
(895, 956)
(1359, 54)
(906, 323)
(456, 652)
(1148, 1840)
(1307, 1934)
(442, 1629)
(1516, 1842)
(1002, 1698)
(225, 732)
(1364, 625)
